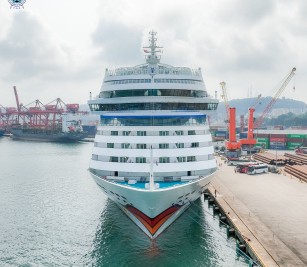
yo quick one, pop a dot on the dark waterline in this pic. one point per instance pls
(53, 214)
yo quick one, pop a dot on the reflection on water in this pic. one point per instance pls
(187, 242)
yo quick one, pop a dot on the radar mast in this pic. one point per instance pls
(152, 58)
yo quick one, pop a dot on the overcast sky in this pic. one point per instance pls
(60, 48)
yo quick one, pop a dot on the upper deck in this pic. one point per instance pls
(145, 69)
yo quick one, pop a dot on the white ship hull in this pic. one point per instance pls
(153, 152)
(153, 211)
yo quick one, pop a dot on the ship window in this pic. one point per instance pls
(164, 160)
(141, 133)
(163, 146)
(140, 160)
(195, 144)
(150, 106)
(181, 159)
(125, 145)
(113, 159)
(191, 132)
(164, 133)
(114, 132)
(123, 159)
(126, 133)
(95, 157)
(110, 145)
(179, 132)
(191, 158)
(141, 146)
(180, 145)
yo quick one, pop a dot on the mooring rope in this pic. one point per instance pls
(237, 249)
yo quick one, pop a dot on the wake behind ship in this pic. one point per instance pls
(153, 152)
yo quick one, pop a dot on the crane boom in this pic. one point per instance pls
(260, 120)
(225, 96)
(257, 101)
(17, 99)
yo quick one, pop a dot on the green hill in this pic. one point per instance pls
(242, 106)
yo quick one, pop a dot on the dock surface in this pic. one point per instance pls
(272, 207)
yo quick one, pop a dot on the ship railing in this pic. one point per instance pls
(142, 124)
(140, 71)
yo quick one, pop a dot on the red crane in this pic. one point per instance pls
(250, 130)
(268, 108)
(232, 145)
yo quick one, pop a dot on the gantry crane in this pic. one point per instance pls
(268, 108)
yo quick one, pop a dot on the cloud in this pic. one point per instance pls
(247, 44)
(117, 42)
(27, 49)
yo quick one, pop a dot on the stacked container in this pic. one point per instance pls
(243, 135)
(221, 134)
(278, 141)
(263, 142)
(295, 140)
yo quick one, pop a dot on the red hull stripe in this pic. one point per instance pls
(152, 222)
(154, 229)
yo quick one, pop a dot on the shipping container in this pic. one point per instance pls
(295, 140)
(262, 139)
(263, 145)
(297, 136)
(278, 135)
(278, 139)
(260, 135)
(220, 135)
(243, 135)
(293, 145)
(278, 147)
(278, 143)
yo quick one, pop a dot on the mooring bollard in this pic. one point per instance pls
(206, 195)
(211, 200)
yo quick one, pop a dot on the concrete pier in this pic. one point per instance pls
(270, 210)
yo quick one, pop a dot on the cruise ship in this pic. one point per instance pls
(153, 152)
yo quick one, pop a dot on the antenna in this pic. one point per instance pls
(153, 58)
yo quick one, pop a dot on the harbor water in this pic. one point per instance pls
(53, 214)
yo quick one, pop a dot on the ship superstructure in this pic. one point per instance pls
(153, 151)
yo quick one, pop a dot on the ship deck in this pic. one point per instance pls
(162, 184)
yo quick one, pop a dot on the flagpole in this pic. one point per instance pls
(151, 178)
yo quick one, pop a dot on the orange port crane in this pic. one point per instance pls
(268, 108)
(252, 106)
(250, 130)
(232, 144)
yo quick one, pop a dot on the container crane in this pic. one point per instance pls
(268, 108)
